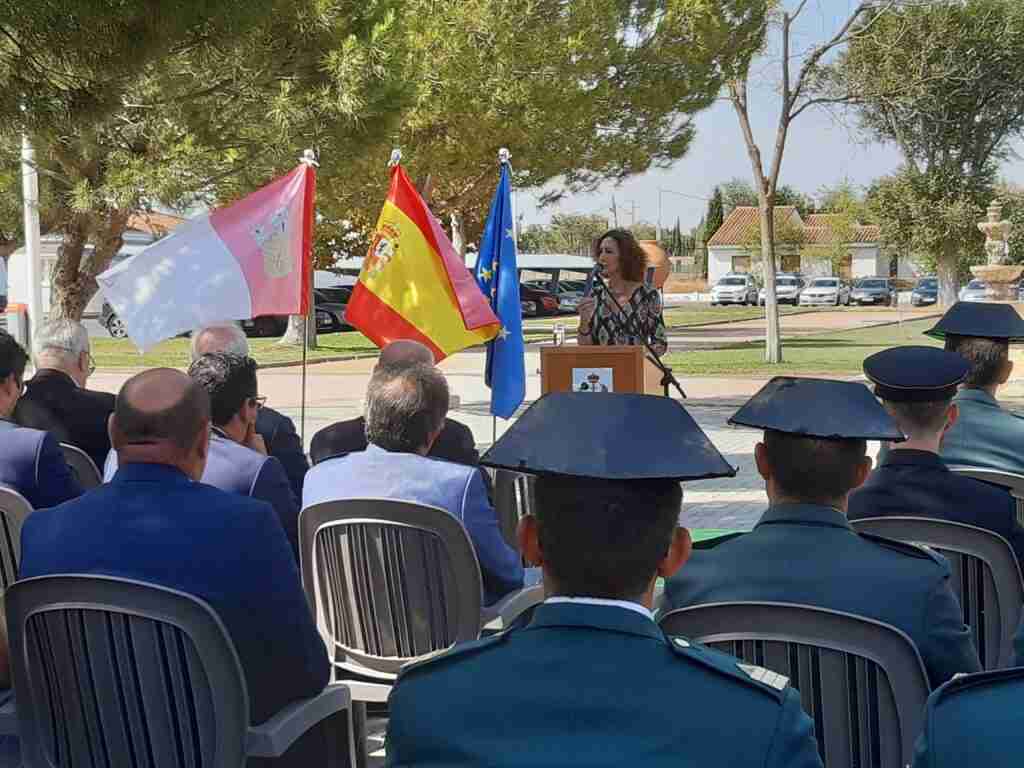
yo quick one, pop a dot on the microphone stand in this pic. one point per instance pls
(667, 377)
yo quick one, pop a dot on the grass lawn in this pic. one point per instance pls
(837, 352)
(121, 353)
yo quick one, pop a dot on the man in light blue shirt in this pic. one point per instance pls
(405, 413)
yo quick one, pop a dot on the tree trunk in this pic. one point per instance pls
(946, 270)
(73, 282)
(773, 339)
(458, 235)
(302, 326)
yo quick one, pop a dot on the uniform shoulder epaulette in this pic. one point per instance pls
(762, 679)
(964, 682)
(455, 652)
(906, 547)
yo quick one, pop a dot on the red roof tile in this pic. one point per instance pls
(154, 223)
(743, 223)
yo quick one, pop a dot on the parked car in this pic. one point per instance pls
(546, 302)
(734, 289)
(787, 289)
(330, 304)
(976, 290)
(926, 291)
(831, 291)
(529, 308)
(873, 290)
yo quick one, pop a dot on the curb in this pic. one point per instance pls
(317, 361)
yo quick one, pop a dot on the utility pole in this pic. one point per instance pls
(615, 213)
(30, 196)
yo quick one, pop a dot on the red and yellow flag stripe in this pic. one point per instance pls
(413, 284)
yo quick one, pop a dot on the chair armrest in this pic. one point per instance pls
(8, 715)
(376, 693)
(276, 735)
(501, 615)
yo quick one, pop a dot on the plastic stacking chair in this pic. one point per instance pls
(115, 672)
(513, 498)
(1008, 480)
(986, 577)
(861, 681)
(14, 508)
(83, 467)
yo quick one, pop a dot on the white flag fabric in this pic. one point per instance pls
(247, 259)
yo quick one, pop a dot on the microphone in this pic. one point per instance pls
(594, 274)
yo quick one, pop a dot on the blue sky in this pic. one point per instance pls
(822, 149)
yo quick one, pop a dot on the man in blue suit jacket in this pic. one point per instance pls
(31, 461)
(405, 413)
(591, 680)
(803, 549)
(155, 522)
(277, 430)
(238, 460)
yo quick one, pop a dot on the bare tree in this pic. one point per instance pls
(796, 96)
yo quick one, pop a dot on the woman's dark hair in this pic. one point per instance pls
(632, 258)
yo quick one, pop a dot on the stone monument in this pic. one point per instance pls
(1000, 277)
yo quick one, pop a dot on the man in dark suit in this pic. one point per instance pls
(31, 461)
(917, 386)
(56, 399)
(455, 443)
(238, 460)
(803, 549)
(276, 429)
(155, 522)
(592, 679)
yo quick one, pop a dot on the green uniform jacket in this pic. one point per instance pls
(593, 685)
(985, 435)
(974, 720)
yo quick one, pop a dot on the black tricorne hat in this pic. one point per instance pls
(980, 319)
(819, 408)
(610, 437)
(916, 374)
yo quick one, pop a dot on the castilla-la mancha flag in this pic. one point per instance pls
(413, 284)
(247, 259)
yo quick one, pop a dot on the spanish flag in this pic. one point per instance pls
(413, 284)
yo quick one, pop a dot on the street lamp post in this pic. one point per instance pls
(30, 196)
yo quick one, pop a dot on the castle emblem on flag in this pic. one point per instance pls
(272, 238)
(383, 248)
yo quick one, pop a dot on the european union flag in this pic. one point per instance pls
(498, 277)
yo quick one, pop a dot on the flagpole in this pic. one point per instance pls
(308, 158)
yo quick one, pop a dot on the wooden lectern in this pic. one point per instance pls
(594, 368)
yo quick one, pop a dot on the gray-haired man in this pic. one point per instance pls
(276, 429)
(56, 399)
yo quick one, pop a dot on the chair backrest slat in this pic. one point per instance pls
(862, 682)
(82, 466)
(112, 672)
(388, 581)
(985, 576)
(14, 508)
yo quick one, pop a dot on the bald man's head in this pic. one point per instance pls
(405, 352)
(160, 407)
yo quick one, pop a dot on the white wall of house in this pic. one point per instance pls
(815, 265)
(720, 261)
(868, 261)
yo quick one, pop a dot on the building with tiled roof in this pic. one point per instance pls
(806, 245)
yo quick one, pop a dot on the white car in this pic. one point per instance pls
(734, 289)
(787, 289)
(825, 291)
(976, 290)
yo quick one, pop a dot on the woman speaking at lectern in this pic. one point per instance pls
(621, 262)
